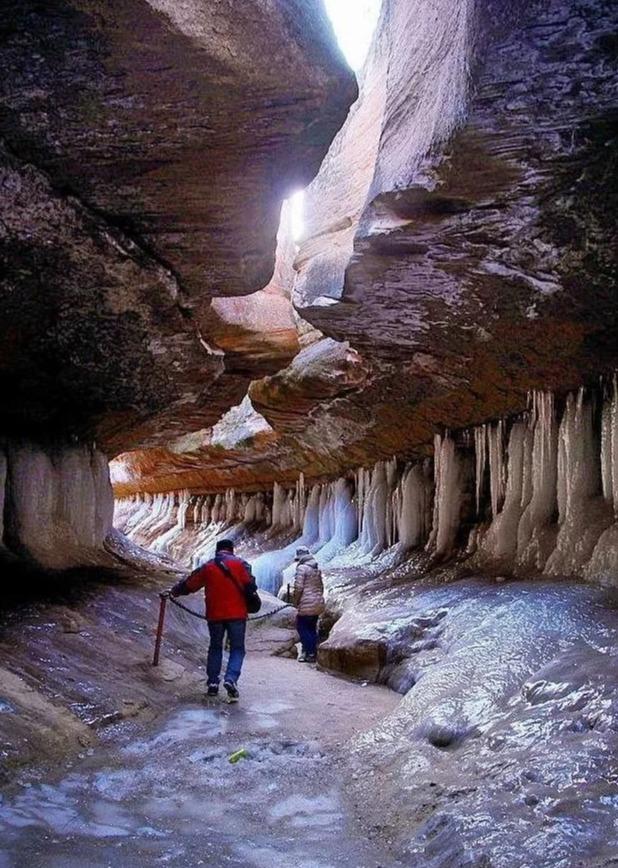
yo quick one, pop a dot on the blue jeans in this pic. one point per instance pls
(307, 626)
(236, 634)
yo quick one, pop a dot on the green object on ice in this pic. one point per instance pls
(238, 755)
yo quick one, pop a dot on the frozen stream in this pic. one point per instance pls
(172, 797)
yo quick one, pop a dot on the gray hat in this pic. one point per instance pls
(302, 552)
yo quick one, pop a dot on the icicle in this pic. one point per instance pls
(230, 506)
(311, 523)
(580, 509)
(415, 511)
(539, 493)
(480, 450)
(279, 500)
(497, 478)
(609, 447)
(183, 509)
(216, 511)
(448, 497)
(500, 541)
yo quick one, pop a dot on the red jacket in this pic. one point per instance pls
(224, 600)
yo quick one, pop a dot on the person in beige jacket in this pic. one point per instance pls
(308, 597)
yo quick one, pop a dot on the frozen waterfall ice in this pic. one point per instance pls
(532, 494)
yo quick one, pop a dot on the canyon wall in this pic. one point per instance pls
(145, 151)
(460, 233)
(458, 249)
(534, 494)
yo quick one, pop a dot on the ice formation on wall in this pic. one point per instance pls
(534, 494)
(56, 505)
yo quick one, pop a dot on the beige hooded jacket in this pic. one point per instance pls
(308, 586)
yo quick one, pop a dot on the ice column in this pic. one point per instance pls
(415, 501)
(582, 513)
(536, 535)
(448, 497)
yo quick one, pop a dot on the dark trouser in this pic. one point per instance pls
(236, 634)
(307, 626)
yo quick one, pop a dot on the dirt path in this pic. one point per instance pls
(167, 794)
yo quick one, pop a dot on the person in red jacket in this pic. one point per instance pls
(224, 579)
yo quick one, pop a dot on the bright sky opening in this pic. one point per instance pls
(354, 22)
(296, 214)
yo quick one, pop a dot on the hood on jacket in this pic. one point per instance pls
(307, 559)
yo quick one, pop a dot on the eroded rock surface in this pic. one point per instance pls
(146, 154)
(460, 232)
(458, 247)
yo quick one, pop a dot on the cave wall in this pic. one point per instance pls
(459, 246)
(470, 257)
(145, 151)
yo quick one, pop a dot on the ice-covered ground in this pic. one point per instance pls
(504, 749)
(169, 795)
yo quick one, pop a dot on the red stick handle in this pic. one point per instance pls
(157, 650)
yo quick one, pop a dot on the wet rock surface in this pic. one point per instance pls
(496, 744)
(502, 751)
(174, 796)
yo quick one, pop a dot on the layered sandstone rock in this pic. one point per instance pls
(458, 238)
(460, 229)
(145, 151)
(148, 147)
(528, 495)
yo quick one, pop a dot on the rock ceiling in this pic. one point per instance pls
(459, 247)
(147, 147)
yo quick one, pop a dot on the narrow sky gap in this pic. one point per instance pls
(354, 22)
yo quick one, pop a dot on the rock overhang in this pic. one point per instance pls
(174, 134)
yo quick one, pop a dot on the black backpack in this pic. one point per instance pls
(249, 591)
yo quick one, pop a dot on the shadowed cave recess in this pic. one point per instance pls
(252, 290)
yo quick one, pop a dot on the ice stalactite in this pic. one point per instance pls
(497, 467)
(164, 542)
(448, 497)
(480, 449)
(269, 567)
(558, 515)
(499, 543)
(582, 512)
(345, 521)
(537, 531)
(415, 498)
(297, 506)
(609, 446)
(376, 524)
(163, 518)
(57, 504)
(286, 509)
(533, 494)
(330, 524)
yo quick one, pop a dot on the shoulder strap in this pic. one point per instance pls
(227, 572)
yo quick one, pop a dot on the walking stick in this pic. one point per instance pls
(157, 649)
